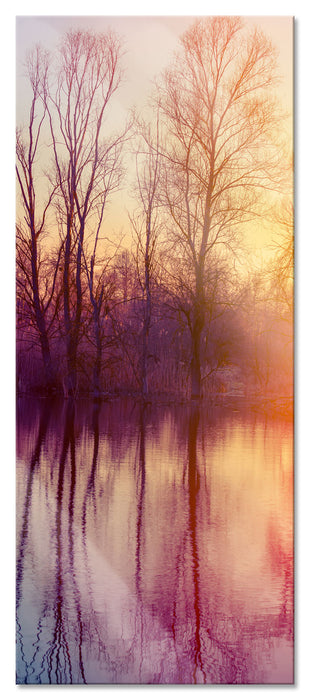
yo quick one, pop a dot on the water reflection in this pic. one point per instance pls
(34, 462)
(193, 491)
(154, 545)
(140, 480)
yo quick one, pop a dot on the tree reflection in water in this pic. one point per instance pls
(140, 494)
(34, 463)
(130, 568)
(193, 490)
(90, 490)
(58, 656)
(21, 549)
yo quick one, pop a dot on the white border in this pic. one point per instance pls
(302, 318)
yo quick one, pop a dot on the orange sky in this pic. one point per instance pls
(149, 42)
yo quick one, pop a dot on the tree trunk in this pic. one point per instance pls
(39, 316)
(147, 309)
(50, 380)
(97, 364)
(146, 327)
(71, 380)
(196, 387)
(72, 319)
(196, 333)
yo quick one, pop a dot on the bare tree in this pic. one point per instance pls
(220, 153)
(146, 226)
(98, 267)
(270, 307)
(32, 289)
(101, 289)
(282, 266)
(85, 162)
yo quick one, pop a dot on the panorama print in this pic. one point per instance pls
(154, 358)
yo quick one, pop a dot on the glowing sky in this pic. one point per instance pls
(149, 43)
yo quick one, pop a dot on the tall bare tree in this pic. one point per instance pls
(101, 288)
(146, 226)
(85, 159)
(217, 105)
(31, 287)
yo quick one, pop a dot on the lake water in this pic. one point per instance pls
(153, 546)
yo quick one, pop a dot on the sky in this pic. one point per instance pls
(149, 43)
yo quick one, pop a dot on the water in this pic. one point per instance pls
(153, 546)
